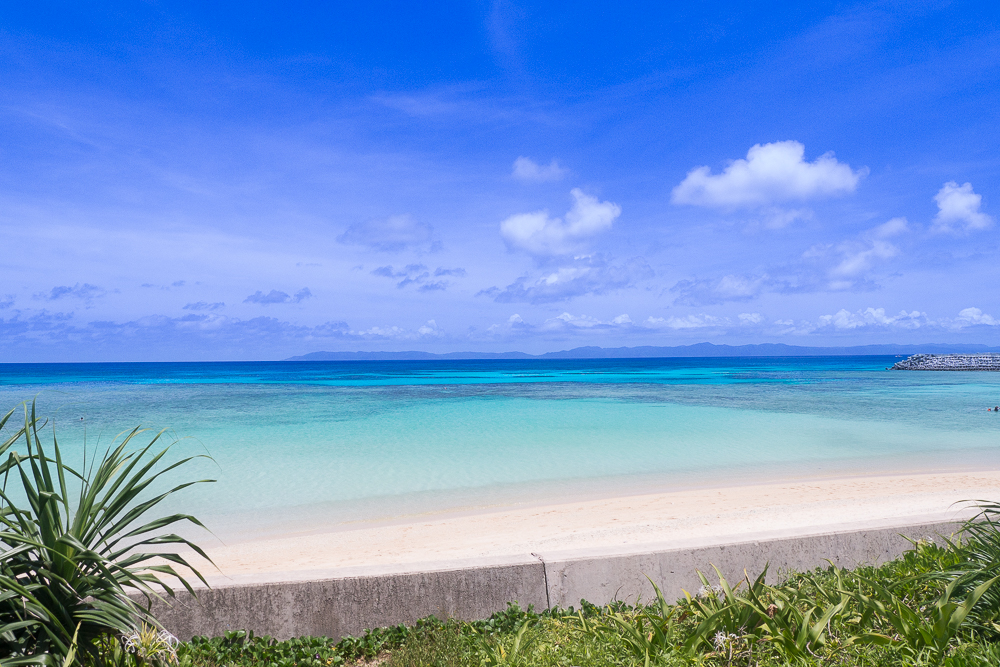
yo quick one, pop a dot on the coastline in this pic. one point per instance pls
(618, 525)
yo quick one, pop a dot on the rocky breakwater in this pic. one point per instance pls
(949, 362)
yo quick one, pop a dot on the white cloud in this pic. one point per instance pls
(958, 209)
(969, 317)
(770, 174)
(526, 169)
(539, 234)
(874, 317)
(751, 318)
(700, 321)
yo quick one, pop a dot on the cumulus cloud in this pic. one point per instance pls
(430, 329)
(540, 234)
(204, 305)
(391, 234)
(275, 296)
(874, 318)
(526, 169)
(970, 317)
(419, 274)
(750, 318)
(771, 174)
(699, 321)
(958, 209)
(584, 275)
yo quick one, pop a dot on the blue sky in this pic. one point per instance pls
(257, 180)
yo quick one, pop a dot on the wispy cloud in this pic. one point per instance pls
(566, 320)
(419, 274)
(83, 292)
(392, 234)
(852, 264)
(196, 335)
(590, 274)
(204, 305)
(526, 169)
(276, 296)
(695, 321)
(174, 285)
(456, 272)
(516, 326)
(719, 290)
(771, 174)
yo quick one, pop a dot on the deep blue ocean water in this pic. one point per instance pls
(299, 445)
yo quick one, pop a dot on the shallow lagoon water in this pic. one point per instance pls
(303, 445)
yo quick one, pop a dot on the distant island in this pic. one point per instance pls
(949, 362)
(650, 351)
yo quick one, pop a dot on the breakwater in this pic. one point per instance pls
(949, 362)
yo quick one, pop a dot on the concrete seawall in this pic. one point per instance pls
(347, 605)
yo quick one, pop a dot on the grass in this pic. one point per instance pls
(935, 606)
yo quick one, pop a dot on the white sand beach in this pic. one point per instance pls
(625, 524)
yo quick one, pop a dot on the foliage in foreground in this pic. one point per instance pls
(74, 544)
(935, 606)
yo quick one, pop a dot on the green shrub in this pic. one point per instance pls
(72, 553)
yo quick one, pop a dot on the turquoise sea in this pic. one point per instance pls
(299, 446)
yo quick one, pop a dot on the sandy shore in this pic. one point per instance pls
(661, 520)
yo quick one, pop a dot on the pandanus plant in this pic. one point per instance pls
(80, 560)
